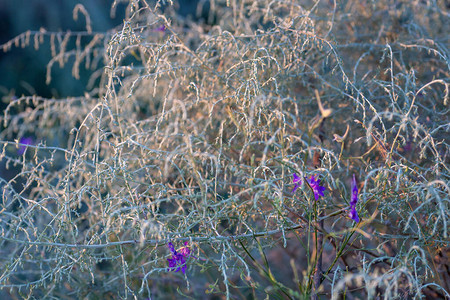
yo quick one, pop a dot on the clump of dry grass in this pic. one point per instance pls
(191, 133)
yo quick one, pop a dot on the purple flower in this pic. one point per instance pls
(178, 260)
(315, 185)
(25, 141)
(353, 214)
(297, 182)
(407, 147)
(185, 251)
(354, 198)
(161, 28)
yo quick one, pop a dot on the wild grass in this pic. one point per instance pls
(192, 132)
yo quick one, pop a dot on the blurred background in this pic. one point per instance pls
(23, 70)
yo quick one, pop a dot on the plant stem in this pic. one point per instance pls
(318, 268)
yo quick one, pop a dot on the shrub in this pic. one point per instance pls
(189, 136)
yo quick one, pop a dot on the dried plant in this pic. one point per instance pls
(189, 135)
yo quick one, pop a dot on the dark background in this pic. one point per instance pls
(23, 70)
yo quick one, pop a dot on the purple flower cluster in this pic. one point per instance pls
(353, 214)
(178, 260)
(313, 182)
(318, 190)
